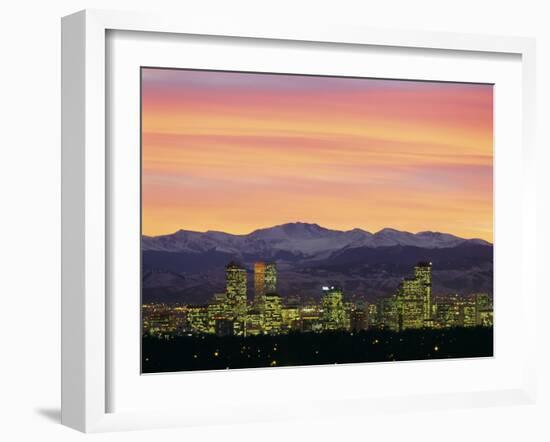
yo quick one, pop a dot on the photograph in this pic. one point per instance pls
(252, 222)
(302, 220)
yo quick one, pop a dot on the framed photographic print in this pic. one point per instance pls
(249, 213)
(257, 193)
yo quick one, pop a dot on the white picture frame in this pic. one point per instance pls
(86, 206)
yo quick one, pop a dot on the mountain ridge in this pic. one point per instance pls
(305, 239)
(188, 266)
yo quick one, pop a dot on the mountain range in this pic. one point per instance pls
(187, 266)
(303, 239)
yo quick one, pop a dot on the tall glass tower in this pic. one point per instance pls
(259, 282)
(414, 298)
(333, 316)
(236, 281)
(423, 274)
(270, 278)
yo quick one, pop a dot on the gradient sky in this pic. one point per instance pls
(238, 151)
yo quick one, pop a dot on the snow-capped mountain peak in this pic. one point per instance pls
(305, 239)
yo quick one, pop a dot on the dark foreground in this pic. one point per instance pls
(214, 353)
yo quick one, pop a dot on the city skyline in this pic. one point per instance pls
(309, 255)
(340, 152)
(412, 306)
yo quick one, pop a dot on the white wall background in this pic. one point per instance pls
(30, 214)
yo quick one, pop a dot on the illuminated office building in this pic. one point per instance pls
(448, 311)
(272, 314)
(197, 319)
(178, 317)
(423, 273)
(157, 321)
(413, 299)
(410, 304)
(291, 318)
(484, 309)
(333, 316)
(310, 318)
(236, 289)
(239, 325)
(468, 313)
(259, 283)
(217, 310)
(254, 324)
(265, 281)
(270, 278)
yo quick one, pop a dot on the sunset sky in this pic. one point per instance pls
(238, 151)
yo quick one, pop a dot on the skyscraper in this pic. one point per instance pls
(236, 289)
(273, 319)
(484, 309)
(413, 299)
(423, 273)
(197, 318)
(259, 279)
(333, 314)
(447, 311)
(259, 282)
(265, 281)
(217, 311)
(410, 304)
(468, 313)
(270, 278)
